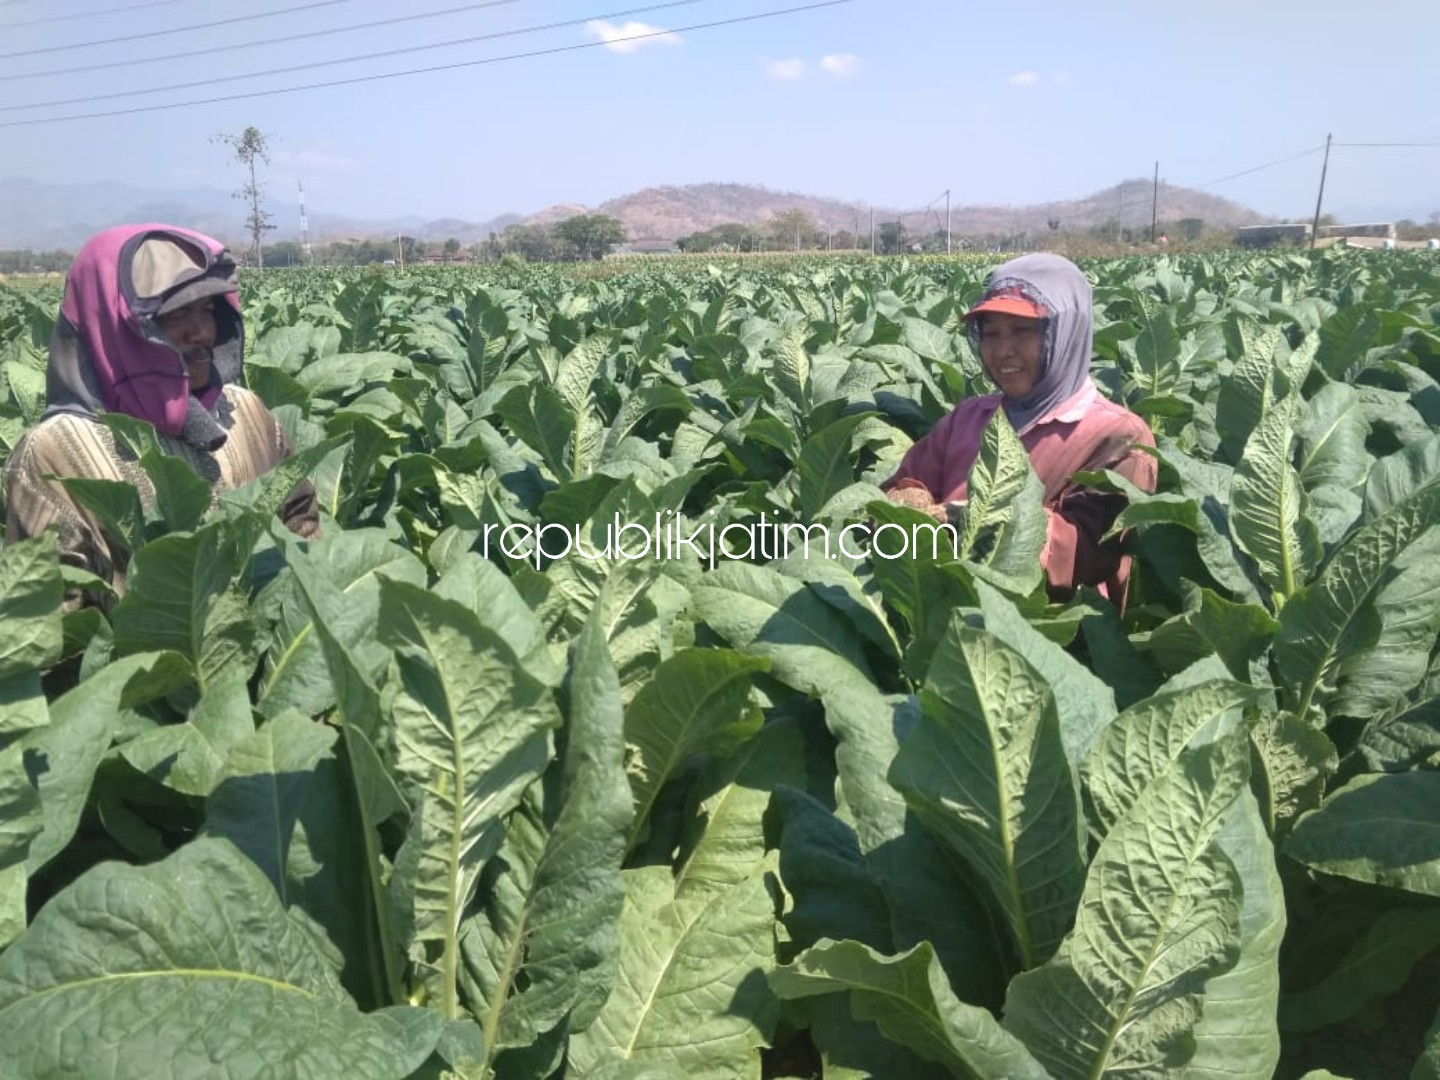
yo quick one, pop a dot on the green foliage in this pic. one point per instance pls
(405, 801)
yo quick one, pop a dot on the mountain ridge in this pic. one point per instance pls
(61, 216)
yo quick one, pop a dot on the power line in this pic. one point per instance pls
(386, 54)
(1371, 144)
(173, 30)
(1261, 168)
(430, 70)
(256, 44)
(86, 14)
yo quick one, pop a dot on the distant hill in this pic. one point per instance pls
(62, 216)
(665, 213)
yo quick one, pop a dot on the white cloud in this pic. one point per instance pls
(1024, 78)
(791, 70)
(627, 37)
(841, 65)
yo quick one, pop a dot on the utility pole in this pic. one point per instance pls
(400, 250)
(947, 221)
(872, 230)
(1154, 202)
(1120, 221)
(1315, 228)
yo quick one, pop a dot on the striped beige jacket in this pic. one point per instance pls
(78, 446)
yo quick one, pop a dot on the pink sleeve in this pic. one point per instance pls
(940, 461)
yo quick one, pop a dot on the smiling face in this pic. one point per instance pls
(192, 330)
(1012, 348)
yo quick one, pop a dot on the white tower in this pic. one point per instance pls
(304, 228)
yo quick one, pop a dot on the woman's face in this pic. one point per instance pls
(1012, 349)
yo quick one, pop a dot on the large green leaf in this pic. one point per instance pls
(691, 988)
(909, 999)
(1085, 705)
(31, 630)
(190, 757)
(1315, 622)
(541, 420)
(824, 466)
(1375, 966)
(372, 796)
(985, 769)
(181, 495)
(1294, 762)
(698, 702)
(1396, 477)
(61, 758)
(186, 967)
(813, 649)
(262, 788)
(1237, 1036)
(791, 365)
(1332, 430)
(1157, 351)
(20, 823)
(579, 369)
(1267, 517)
(1240, 634)
(30, 594)
(490, 593)
(724, 842)
(922, 583)
(1389, 650)
(347, 373)
(1159, 919)
(181, 598)
(854, 1050)
(296, 675)
(1148, 737)
(472, 732)
(542, 947)
(1249, 391)
(1003, 525)
(1379, 828)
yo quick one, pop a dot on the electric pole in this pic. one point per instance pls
(947, 221)
(1315, 228)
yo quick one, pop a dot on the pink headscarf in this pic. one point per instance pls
(108, 352)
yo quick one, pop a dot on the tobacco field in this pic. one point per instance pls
(398, 803)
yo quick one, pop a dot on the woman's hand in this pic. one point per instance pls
(918, 499)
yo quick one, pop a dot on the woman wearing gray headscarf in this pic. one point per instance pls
(1033, 327)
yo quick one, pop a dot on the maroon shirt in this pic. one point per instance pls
(1085, 432)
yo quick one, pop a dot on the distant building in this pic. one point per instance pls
(1261, 236)
(1381, 230)
(647, 247)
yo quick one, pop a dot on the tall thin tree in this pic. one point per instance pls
(250, 146)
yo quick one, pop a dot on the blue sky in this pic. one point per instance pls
(888, 102)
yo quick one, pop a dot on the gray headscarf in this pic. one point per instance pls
(1057, 285)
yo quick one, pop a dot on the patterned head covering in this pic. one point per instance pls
(1053, 288)
(108, 352)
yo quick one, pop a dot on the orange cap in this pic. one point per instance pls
(1007, 301)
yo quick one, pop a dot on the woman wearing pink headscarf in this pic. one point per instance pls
(1033, 328)
(150, 326)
